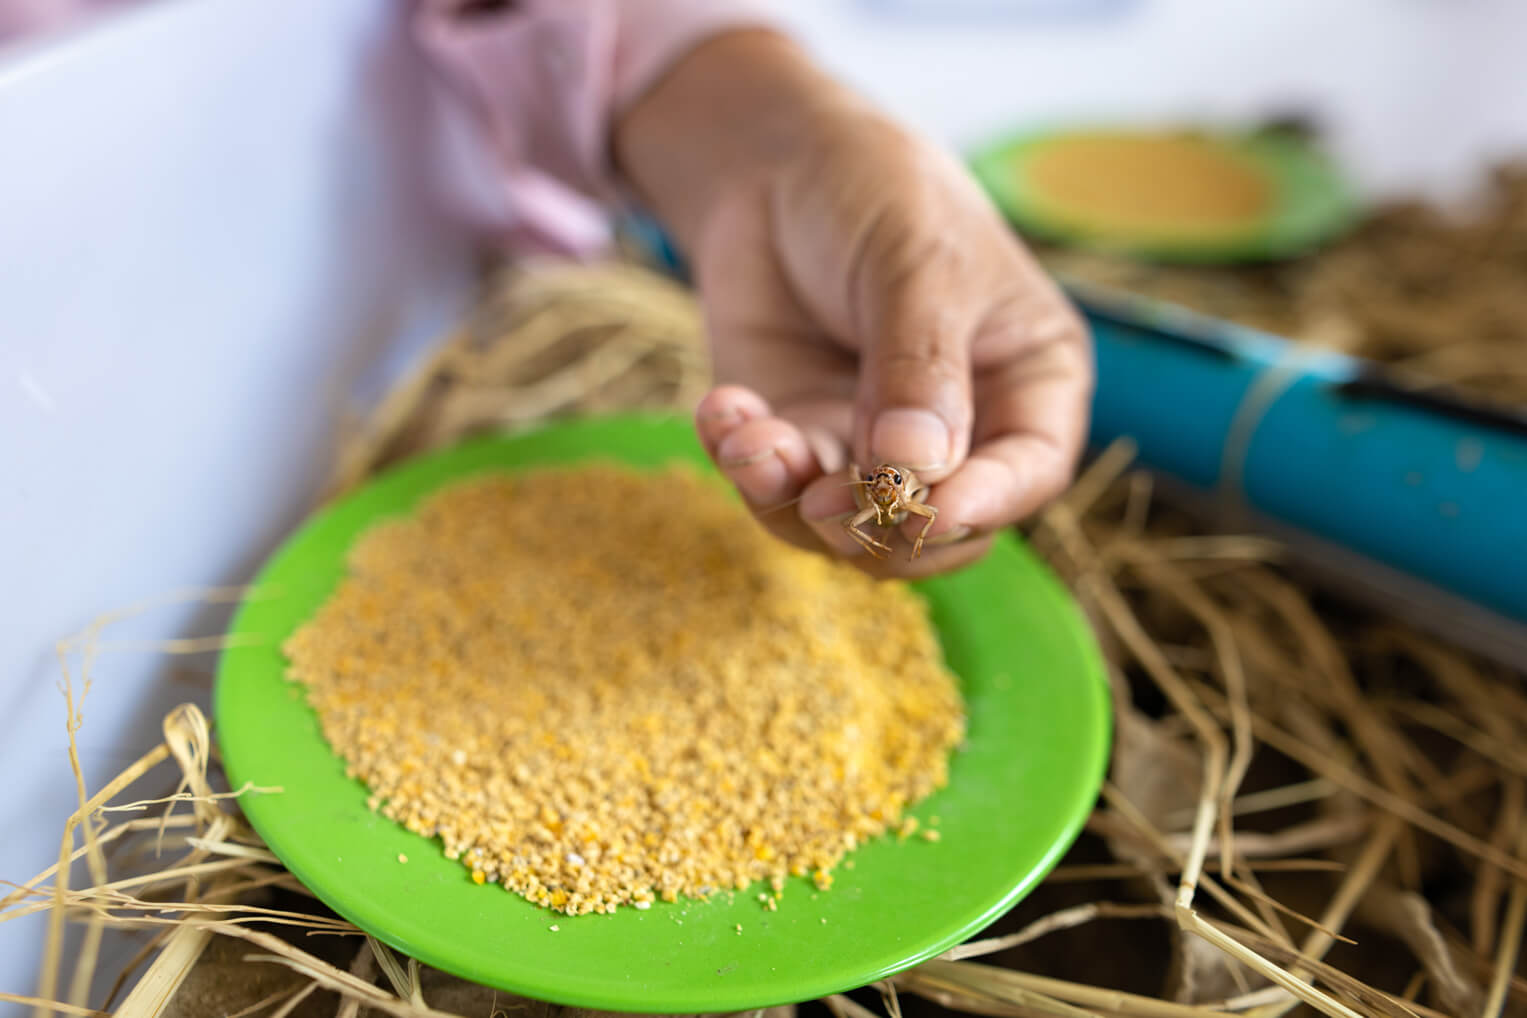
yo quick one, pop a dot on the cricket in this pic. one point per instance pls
(887, 495)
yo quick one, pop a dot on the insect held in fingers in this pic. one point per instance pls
(886, 496)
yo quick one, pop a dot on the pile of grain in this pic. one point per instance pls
(600, 687)
(1129, 184)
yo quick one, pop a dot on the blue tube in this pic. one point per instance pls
(1176, 400)
(1427, 484)
(1438, 494)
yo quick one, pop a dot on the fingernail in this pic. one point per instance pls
(734, 462)
(729, 413)
(915, 439)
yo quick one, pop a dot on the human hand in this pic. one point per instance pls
(866, 304)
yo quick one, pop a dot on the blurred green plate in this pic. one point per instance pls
(1310, 201)
(1018, 795)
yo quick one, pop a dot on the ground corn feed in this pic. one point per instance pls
(1127, 183)
(602, 687)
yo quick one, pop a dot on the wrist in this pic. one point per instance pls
(729, 110)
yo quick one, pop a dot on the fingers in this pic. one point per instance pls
(825, 504)
(1033, 400)
(828, 501)
(775, 461)
(723, 409)
(768, 459)
(916, 331)
(1031, 393)
(934, 561)
(1003, 482)
(771, 458)
(1030, 432)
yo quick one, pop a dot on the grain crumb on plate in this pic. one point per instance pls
(601, 687)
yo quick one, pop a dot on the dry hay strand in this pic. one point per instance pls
(1309, 808)
(546, 340)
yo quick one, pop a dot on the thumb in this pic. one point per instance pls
(914, 398)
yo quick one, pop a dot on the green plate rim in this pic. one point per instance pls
(1313, 204)
(1092, 759)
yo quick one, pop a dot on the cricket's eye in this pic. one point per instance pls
(870, 478)
(897, 478)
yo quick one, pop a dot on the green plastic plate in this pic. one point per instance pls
(1311, 200)
(1018, 794)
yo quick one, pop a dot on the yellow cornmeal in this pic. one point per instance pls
(600, 687)
(1127, 183)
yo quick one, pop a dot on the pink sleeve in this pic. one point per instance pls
(544, 80)
(22, 18)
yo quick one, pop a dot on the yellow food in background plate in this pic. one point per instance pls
(1128, 183)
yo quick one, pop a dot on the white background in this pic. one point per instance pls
(215, 224)
(1415, 92)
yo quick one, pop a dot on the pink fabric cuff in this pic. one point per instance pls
(544, 81)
